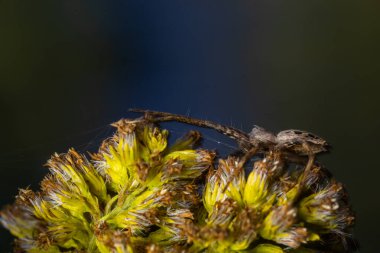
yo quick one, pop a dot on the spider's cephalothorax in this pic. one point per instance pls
(301, 142)
(296, 141)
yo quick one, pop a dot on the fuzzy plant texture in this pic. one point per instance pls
(140, 194)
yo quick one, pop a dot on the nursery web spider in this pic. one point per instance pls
(297, 142)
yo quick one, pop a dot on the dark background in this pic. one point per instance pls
(69, 68)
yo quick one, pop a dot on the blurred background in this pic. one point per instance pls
(69, 68)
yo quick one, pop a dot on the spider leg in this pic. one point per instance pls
(241, 137)
(310, 162)
(253, 151)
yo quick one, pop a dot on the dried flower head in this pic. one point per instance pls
(139, 194)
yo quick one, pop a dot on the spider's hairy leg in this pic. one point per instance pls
(241, 137)
(250, 153)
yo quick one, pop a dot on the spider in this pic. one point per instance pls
(299, 142)
(293, 145)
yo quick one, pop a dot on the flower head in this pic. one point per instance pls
(140, 194)
(112, 202)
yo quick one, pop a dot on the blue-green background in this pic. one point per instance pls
(68, 68)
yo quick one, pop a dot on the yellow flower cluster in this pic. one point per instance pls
(276, 209)
(129, 195)
(139, 194)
